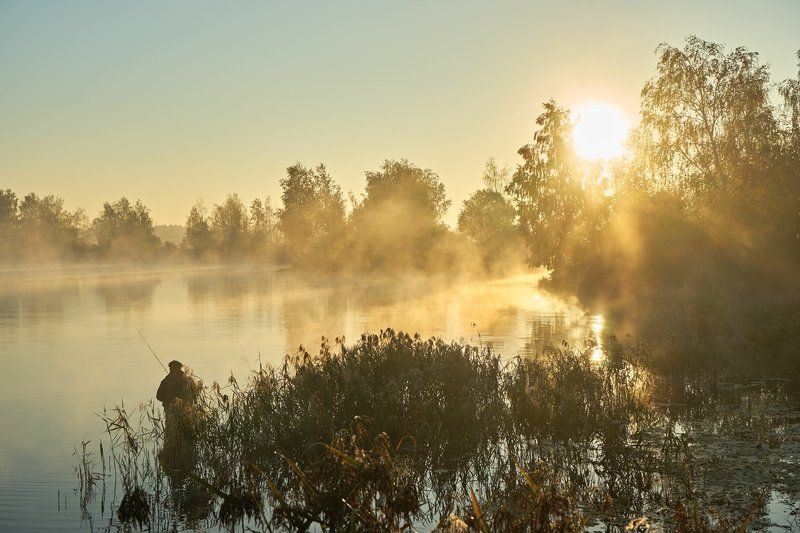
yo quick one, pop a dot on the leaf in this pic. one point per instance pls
(300, 474)
(527, 477)
(479, 517)
(346, 458)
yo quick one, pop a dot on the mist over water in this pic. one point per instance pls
(687, 237)
(70, 345)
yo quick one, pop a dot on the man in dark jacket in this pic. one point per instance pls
(177, 385)
(178, 393)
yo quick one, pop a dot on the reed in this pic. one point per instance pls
(397, 433)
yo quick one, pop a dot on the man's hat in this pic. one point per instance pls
(175, 365)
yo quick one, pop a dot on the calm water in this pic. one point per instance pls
(69, 346)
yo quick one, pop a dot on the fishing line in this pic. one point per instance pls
(152, 351)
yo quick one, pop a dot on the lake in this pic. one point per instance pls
(70, 345)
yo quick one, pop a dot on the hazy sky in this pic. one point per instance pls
(179, 100)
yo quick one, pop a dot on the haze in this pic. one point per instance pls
(174, 102)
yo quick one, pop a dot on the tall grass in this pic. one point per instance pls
(396, 432)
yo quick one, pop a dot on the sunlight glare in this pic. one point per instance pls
(600, 131)
(596, 326)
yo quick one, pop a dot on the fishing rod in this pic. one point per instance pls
(152, 351)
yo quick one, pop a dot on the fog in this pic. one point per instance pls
(603, 304)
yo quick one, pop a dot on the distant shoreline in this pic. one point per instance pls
(57, 271)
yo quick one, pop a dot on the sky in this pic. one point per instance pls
(172, 102)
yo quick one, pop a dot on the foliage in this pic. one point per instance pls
(691, 239)
(707, 126)
(263, 228)
(400, 184)
(9, 205)
(39, 228)
(488, 220)
(312, 218)
(197, 239)
(124, 230)
(495, 179)
(231, 232)
(229, 226)
(396, 431)
(397, 225)
(790, 92)
(556, 196)
(172, 233)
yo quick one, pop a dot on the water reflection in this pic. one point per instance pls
(126, 296)
(511, 316)
(556, 436)
(76, 332)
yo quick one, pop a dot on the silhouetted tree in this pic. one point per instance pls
(790, 91)
(708, 129)
(700, 252)
(399, 219)
(710, 134)
(197, 239)
(170, 233)
(548, 187)
(487, 218)
(9, 218)
(230, 228)
(47, 231)
(312, 219)
(125, 231)
(9, 205)
(263, 228)
(412, 193)
(495, 179)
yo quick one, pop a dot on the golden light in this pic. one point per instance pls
(600, 131)
(596, 325)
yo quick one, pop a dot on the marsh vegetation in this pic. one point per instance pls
(689, 241)
(396, 432)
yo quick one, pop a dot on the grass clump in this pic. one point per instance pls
(397, 433)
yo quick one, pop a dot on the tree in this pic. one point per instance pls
(402, 192)
(790, 92)
(312, 219)
(230, 227)
(707, 130)
(262, 224)
(124, 230)
(495, 179)
(9, 219)
(9, 206)
(398, 221)
(46, 229)
(699, 255)
(197, 237)
(548, 187)
(487, 218)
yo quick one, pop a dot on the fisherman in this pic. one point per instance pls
(178, 392)
(176, 386)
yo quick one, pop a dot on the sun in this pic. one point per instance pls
(600, 131)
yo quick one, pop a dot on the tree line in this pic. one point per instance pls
(396, 225)
(691, 240)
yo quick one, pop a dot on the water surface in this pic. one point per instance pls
(70, 345)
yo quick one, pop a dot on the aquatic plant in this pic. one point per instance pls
(396, 432)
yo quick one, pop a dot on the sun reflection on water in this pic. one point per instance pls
(596, 325)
